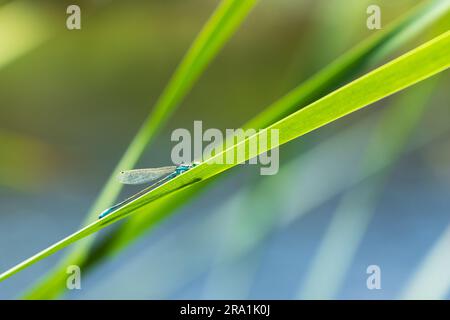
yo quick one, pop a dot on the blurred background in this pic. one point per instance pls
(369, 189)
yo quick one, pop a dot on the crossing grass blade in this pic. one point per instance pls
(414, 66)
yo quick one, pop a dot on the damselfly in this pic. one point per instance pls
(140, 176)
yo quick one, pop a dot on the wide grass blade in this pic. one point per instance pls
(410, 68)
(369, 52)
(216, 32)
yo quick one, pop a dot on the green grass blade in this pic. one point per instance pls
(410, 68)
(367, 53)
(211, 39)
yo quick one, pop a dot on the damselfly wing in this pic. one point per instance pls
(140, 176)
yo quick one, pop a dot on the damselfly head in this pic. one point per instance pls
(184, 167)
